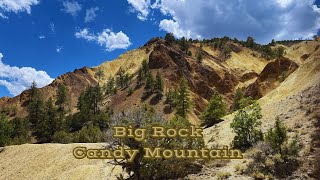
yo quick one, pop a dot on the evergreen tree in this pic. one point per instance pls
(169, 38)
(199, 57)
(126, 80)
(240, 101)
(140, 77)
(250, 42)
(246, 125)
(183, 101)
(49, 124)
(149, 84)
(236, 99)
(62, 97)
(159, 84)
(170, 98)
(120, 79)
(89, 101)
(6, 130)
(279, 52)
(216, 109)
(35, 106)
(145, 67)
(184, 45)
(21, 130)
(110, 86)
(99, 74)
(277, 136)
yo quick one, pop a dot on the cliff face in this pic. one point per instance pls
(214, 74)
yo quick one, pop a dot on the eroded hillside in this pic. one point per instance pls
(288, 87)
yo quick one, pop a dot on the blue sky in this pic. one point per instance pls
(42, 39)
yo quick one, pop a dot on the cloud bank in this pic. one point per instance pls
(107, 39)
(263, 19)
(17, 79)
(16, 6)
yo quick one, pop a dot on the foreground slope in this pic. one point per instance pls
(52, 161)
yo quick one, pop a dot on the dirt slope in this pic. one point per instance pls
(297, 102)
(52, 161)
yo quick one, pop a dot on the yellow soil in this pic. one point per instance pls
(52, 161)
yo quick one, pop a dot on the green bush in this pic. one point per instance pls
(62, 137)
(216, 109)
(275, 156)
(142, 168)
(246, 125)
(90, 134)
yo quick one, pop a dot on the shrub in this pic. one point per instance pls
(245, 124)
(223, 175)
(90, 134)
(62, 137)
(276, 155)
(216, 109)
(130, 91)
(142, 168)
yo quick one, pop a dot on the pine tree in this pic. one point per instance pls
(62, 97)
(159, 84)
(277, 136)
(50, 124)
(145, 67)
(6, 130)
(170, 98)
(236, 99)
(169, 38)
(126, 80)
(199, 57)
(246, 125)
(99, 74)
(35, 106)
(183, 101)
(120, 78)
(110, 86)
(216, 109)
(149, 84)
(184, 45)
(140, 77)
(89, 101)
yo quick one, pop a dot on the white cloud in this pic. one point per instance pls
(59, 49)
(108, 39)
(17, 79)
(41, 37)
(3, 16)
(71, 7)
(173, 27)
(142, 7)
(91, 14)
(17, 6)
(263, 19)
(52, 27)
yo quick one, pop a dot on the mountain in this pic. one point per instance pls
(244, 69)
(286, 86)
